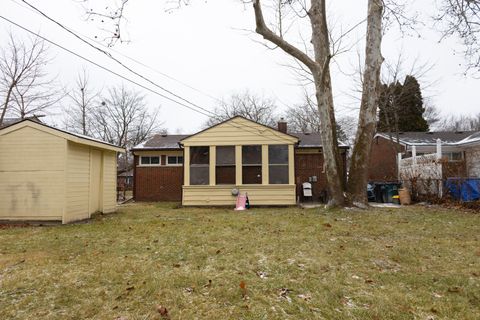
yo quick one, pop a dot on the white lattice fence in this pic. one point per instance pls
(422, 174)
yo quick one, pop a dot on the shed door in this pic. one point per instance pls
(95, 181)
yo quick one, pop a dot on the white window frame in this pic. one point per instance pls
(140, 164)
(176, 164)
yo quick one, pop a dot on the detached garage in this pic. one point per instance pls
(47, 174)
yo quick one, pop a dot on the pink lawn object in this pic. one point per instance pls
(241, 202)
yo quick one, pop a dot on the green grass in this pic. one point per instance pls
(409, 263)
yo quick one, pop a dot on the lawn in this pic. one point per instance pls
(270, 263)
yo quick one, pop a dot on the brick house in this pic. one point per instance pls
(457, 149)
(202, 169)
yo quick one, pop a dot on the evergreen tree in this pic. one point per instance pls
(401, 107)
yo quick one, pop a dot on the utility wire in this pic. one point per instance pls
(100, 66)
(206, 94)
(202, 110)
(109, 55)
(35, 9)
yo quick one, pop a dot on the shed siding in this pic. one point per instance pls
(32, 168)
(77, 182)
(109, 181)
(472, 157)
(238, 131)
(221, 195)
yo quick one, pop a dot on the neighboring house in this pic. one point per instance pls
(47, 174)
(385, 149)
(471, 147)
(125, 180)
(203, 169)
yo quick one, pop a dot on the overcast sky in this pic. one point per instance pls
(206, 46)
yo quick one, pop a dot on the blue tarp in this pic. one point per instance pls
(464, 189)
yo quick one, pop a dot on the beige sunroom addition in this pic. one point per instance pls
(262, 164)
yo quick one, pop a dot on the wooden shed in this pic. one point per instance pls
(47, 174)
(243, 155)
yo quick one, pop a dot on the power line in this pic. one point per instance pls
(109, 55)
(100, 66)
(206, 94)
(122, 64)
(204, 111)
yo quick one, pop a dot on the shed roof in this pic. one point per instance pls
(428, 138)
(71, 136)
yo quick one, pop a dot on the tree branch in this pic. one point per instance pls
(268, 34)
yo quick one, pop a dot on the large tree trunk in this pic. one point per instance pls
(324, 95)
(358, 174)
(321, 74)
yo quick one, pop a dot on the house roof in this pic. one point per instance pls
(312, 140)
(471, 139)
(75, 137)
(238, 117)
(428, 138)
(172, 142)
(162, 142)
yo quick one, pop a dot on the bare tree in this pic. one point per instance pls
(305, 118)
(317, 60)
(25, 86)
(432, 115)
(252, 106)
(83, 99)
(459, 123)
(461, 18)
(122, 118)
(318, 65)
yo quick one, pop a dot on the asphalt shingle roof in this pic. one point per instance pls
(430, 138)
(164, 142)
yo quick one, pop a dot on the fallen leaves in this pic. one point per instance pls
(306, 297)
(163, 312)
(454, 289)
(243, 289)
(283, 294)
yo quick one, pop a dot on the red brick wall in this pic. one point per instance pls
(311, 164)
(162, 183)
(383, 160)
(307, 165)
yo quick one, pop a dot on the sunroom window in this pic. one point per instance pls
(225, 165)
(278, 164)
(199, 165)
(251, 164)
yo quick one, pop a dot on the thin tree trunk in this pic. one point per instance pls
(358, 174)
(7, 101)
